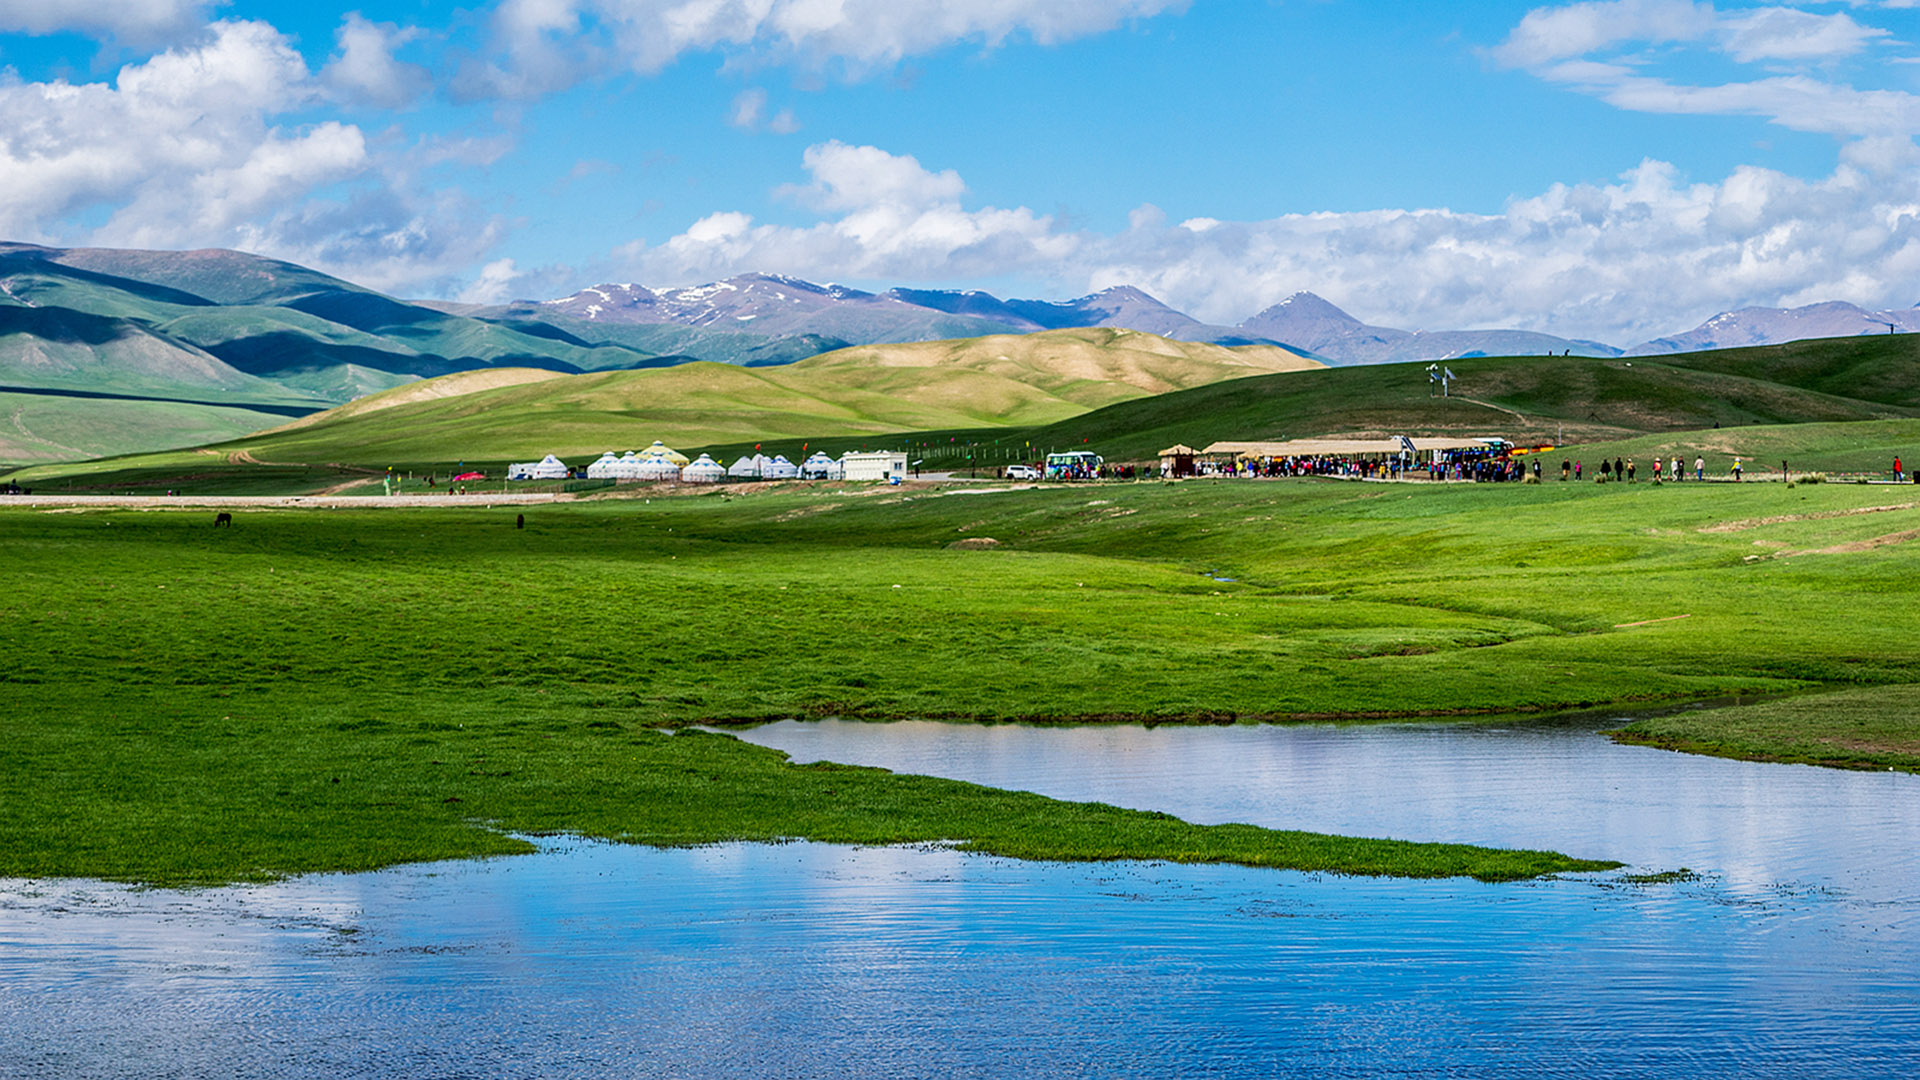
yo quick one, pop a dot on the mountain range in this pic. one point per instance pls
(105, 349)
(788, 309)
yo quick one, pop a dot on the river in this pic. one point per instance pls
(1794, 951)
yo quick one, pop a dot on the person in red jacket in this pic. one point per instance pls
(1896, 470)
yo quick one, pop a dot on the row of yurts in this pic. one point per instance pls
(662, 462)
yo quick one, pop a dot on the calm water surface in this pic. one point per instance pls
(1796, 953)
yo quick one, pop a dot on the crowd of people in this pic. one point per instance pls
(1319, 465)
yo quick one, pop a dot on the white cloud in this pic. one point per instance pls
(184, 118)
(133, 21)
(1573, 45)
(364, 71)
(1788, 34)
(189, 149)
(897, 221)
(494, 285)
(1548, 34)
(1621, 262)
(854, 177)
(545, 45)
(750, 114)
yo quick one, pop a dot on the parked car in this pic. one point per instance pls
(1022, 472)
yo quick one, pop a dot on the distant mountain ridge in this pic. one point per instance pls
(1773, 326)
(835, 316)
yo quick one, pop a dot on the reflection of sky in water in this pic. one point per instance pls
(1545, 785)
(1797, 955)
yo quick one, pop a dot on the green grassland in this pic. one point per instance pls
(180, 701)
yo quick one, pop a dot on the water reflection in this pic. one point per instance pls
(1540, 785)
(1795, 954)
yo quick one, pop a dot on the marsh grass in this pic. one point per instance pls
(178, 702)
(1874, 727)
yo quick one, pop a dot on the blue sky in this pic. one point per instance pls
(1615, 169)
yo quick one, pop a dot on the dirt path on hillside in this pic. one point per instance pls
(1856, 546)
(1781, 519)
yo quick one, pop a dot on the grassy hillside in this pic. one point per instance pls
(50, 426)
(1839, 450)
(1532, 400)
(860, 394)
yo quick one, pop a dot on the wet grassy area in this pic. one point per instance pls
(316, 690)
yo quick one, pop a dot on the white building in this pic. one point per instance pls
(547, 468)
(873, 464)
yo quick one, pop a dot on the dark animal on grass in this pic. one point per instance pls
(519, 521)
(223, 518)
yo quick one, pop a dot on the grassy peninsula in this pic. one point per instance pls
(339, 690)
(1873, 727)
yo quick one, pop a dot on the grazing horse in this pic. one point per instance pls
(223, 518)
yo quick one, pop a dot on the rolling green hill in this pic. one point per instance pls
(1532, 400)
(861, 394)
(165, 333)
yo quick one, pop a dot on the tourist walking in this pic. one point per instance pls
(1700, 468)
(1566, 466)
(1619, 470)
(1576, 472)
(1736, 468)
(1896, 470)
(1630, 470)
(1606, 470)
(1656, 470)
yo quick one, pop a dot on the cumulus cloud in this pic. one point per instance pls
(187, 118)
(1621, 262)
(545, 45)
(364, 70)
(494, 285)
(131, 21)
(896, 220)
(189, 149)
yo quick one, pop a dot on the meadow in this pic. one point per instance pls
(346, 689)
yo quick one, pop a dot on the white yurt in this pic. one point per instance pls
(627, 467)
(820, 467)
(703, 471)
(747, 468)
(604, 467)
(547, 468)
(660, 451)
(779, 468)
(656, 469)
